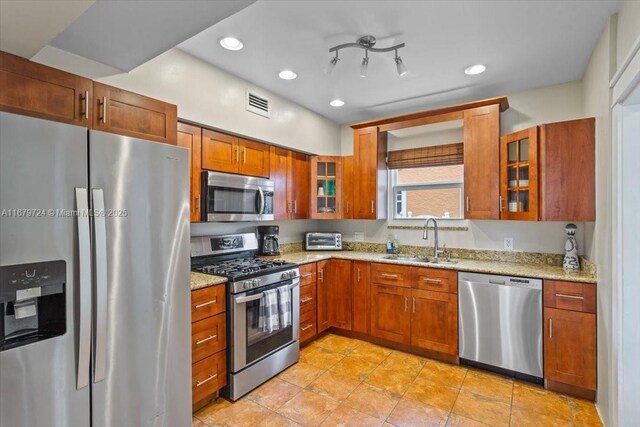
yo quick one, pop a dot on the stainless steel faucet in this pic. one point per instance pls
(425, 236)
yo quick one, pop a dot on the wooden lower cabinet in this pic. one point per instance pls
(361, 294)
(390, 317)
(339, 296)
(323, 308)
(434, 321)
(208, 376)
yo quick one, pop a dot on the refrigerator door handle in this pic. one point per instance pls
(84, 260)
(100, 251)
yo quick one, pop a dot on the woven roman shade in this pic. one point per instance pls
(439, 155)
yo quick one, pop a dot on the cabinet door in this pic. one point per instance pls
(339, 293)
(326, 187)
(481, 162)
(279, 163)
(390, 317)
(127, 113)
(190, 137)
(361, 296)
(33, 89)
(323, 313)
(434, 321)
(220, 152)
(369, 173)
(299, 185)
(570, 347)
(254, 158)
(519, 175)
(347, 187)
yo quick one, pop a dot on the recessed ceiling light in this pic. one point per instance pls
(475, 69)
(231, 43)
(287, 75)
(337, 103)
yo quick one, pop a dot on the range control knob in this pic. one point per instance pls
(246, 284)
(255, 282)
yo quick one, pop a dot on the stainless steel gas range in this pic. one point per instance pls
(255, 352)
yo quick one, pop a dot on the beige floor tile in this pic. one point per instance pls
(372, 401)
(308, 409)
(434, 394)
(414, 413)
(301, 374)
(584, 413)
(456, 420)
(197, 423)
(215, 406)
(443, 373)
(354, 367)
(333, 385)
(241, 413)
(339, 344)
(393, 380)
(274, 393)
(489, 384)
(536, 399)
(276, 420)
(373, 353)
(321, 358)
(482, 408)
(345, 416)
(404, 362)
(524, 418)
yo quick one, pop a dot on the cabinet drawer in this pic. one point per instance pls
(208, 336)
(308, 298)
(434, 279)
(207, 302)
(308, 325)
(208, 376)
(389, 274)
(307, 274)
(570, 296)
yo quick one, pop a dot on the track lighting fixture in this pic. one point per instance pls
(367, 43)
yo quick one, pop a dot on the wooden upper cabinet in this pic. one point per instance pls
(369, 173)
(519, 195)
(481, 162)
(220, 152)
(567, 171)
(254, 158)
(190, 137)
(299, 185)
(33, 89)
(127, 113)
(361, 279)
(326, 187)
(347, 187)
(570, 348)
(434, 321)
(279, 161)
(339, 293)
(321, 292)
(390, 317)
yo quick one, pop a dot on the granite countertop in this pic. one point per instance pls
(200, 280)
(540, 270)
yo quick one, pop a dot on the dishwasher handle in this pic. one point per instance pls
(518, 282)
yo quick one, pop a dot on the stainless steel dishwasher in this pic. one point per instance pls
(500, 322)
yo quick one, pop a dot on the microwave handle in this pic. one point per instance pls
(262, 203)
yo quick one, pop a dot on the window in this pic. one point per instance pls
(424, 192)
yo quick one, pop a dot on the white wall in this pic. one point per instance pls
(627, 31)
(208, 95)
(290, 231)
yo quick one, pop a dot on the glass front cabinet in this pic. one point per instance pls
(326, 187)
(519, 175)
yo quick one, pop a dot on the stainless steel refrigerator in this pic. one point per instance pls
(96, 308)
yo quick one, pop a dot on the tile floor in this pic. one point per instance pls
(345, 382)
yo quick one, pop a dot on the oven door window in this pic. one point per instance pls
(260, 343)
(224, 200)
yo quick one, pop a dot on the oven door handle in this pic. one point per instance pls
(242, 300)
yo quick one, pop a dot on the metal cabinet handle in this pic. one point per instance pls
(500, 203)
(103, 109)
(359, 276)
(244, 156)
(414, 305)
(467, 203)
(307, 275)
(86, 105)
(295, 206)
(428, 280)
(101, 299)
(304, 300)
(372, 206)
(347, 206)
(389, 276)
(306, 327)
(550, 328)
(84, 279)
(321, 272)
(237, 154)
(213, 301)
(569, 296)
(197, 203)
(406, 304)
(204, 340)
(209, 378)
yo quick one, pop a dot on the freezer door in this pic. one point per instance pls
(41, 165)
(142, 345)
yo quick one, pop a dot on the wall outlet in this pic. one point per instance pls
(359, 236)
(508, 243)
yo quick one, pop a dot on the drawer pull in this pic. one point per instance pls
(209, 338)
(432, 280)
(569, 296)
(304, 300)
(204, 304)
(389, 276)
(209, 378)
(307, 275)
(306, 327)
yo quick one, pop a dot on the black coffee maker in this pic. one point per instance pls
(268, 240)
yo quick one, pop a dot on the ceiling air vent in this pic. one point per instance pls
(257, 104)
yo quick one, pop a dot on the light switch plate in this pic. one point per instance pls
(359, 236)
(508, 243)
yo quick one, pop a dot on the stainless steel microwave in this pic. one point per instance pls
(227, 197)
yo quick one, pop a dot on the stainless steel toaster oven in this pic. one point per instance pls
(323, 242)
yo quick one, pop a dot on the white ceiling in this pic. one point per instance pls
(525, 44)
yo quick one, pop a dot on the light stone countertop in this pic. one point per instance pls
(200, 280)
(541, 271)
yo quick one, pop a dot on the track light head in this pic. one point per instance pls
(402, 69)
(365, 64)
(332, 63)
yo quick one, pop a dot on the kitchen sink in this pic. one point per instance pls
(422, 260)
